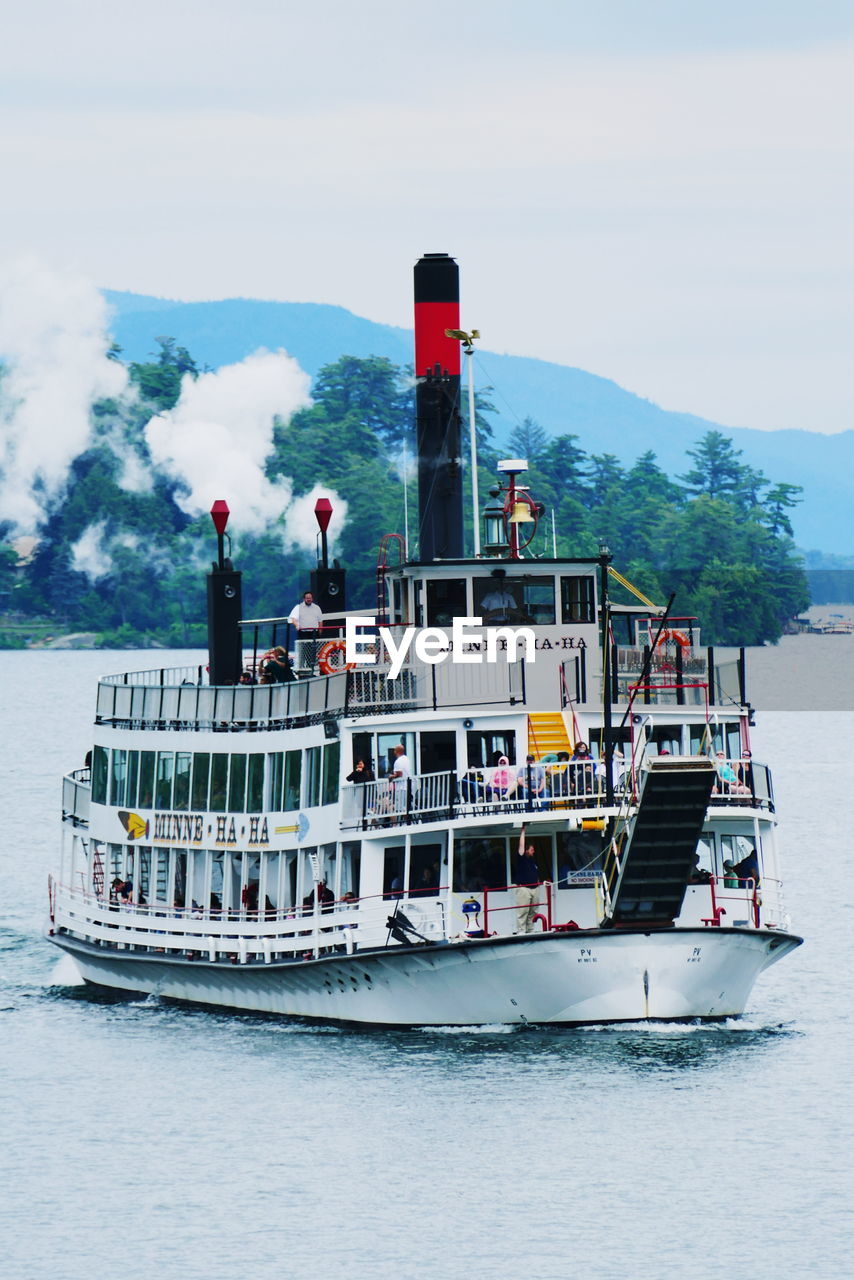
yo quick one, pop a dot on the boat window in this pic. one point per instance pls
(331, 763)
(277, 776)
(579, 857)
(577, 601)
(255, 784)
(351, 863)
(143, 875)
(216, 882)
(542, 854)
(386, 743)
(706, 853)
(115, 865)
(219, 781)
(735, 848)
(446, 600)
(479, 864)
(99, 776)
(201, 773)
(728, 739)
(306, 886)
(485, 747)
(160, 875)
(700, 739)
(398, 601)
(163, 784)
(146, 779)
(438, 751)
(195, 888)
(393, 871)
(329, 866)
(118, 777)
(312, 777)
(181, 799)
(237, 784)
(133, 779)
(293, 774)
(665, 740)
(363, 749)
(425, 870)
(502, 599)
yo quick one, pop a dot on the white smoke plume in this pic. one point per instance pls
(89, 553)
(53, 353)
(219, 434)
(94, 552)
(300, 523)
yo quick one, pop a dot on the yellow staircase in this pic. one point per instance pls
(547, 733)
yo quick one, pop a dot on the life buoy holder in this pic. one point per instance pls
(330, 658)
(679, 637)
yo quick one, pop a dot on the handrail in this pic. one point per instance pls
(302, 929)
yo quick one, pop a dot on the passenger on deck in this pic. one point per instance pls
(307, 617)
(278, 665)
(744, 771)
(531, 782)
(558, 776)
(361, 773)
(526, 878)
(748, 870)
(581, 770)
(323, 894)
(502, 783)
(399, 776)
(726, 784)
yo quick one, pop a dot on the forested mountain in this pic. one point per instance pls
(123, 550)
(604, 416)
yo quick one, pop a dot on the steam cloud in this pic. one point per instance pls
(53, 365)
(219, 434)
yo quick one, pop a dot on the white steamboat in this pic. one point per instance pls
(216, 851)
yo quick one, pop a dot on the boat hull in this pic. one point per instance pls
(557, 978)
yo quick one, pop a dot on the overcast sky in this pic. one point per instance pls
(658, 191)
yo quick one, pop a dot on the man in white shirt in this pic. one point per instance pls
(499, 604)
(307, 617)
(399, 774)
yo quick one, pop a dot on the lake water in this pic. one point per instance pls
(142, 1140)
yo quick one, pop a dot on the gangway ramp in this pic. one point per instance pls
(646, 881)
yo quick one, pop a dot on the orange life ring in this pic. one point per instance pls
(330, 658)
(679, 636)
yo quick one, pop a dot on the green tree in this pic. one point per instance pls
(529, 441)
(159, 382)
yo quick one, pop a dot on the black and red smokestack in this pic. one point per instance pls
(437, 400)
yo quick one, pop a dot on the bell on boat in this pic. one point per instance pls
(521, 514)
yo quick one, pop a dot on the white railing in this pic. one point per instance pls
(219, 707)
(391, 800)
(743, 782)
(76, 792)
(243, 935)
(427, 797)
